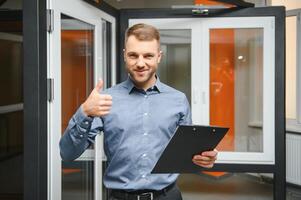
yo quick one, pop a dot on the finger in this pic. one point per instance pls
(106, 97)
(204, 158)
(209, 153)
(105, 103)
(102, 113)
(99, 85)
(204, 162)
(205, 165)
(105, 108)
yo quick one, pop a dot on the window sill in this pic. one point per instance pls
(292, 126)
(255, 124)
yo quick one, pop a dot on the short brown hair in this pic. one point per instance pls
(143, 32)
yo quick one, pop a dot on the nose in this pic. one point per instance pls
(140, 62)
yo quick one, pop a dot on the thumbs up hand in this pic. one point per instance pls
(97, 105)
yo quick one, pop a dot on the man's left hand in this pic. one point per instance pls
(206, 159)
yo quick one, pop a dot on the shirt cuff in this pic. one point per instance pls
(82, 120)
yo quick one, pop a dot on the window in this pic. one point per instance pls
(293, 71)
(228, 81)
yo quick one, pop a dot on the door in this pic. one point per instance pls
(225, 66)
(11, 105)
(81, 43)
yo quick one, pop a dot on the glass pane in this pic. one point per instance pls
(236, 88)
(11, 155)
(11, 76)
(11, 105)
(78, 180)
(77, 49)
(77, 65)
(291, 40)
(175, 66)
(107, 53)
(234, 186)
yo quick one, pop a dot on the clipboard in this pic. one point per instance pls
(188, 141)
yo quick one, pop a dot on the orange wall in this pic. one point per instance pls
(74, 71)
(222, 81)
(222, 50)
(210, 2)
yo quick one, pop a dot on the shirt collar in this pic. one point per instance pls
(130, 85)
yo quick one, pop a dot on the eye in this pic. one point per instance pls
(132, 55)
(149, 56)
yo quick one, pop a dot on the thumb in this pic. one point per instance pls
(99, 85)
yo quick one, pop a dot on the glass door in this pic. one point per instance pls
(225, 66)
(11, 105)
(179, 44)
(240, 86)
(77, 59)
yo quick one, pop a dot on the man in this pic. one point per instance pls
(138, 118)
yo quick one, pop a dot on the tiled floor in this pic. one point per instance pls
(193, 187)
(232, 187)
(197, 187)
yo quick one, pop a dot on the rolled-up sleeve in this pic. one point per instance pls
(79, 135)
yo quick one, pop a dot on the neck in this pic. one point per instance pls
(151, 82)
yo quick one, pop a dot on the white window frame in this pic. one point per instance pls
(200, 48)
(268, 124)
(294, 125)
(87, 13)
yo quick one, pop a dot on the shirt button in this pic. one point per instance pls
(144, 155)
(145, 96)
(81, 136)
(86, 122)
(143, 176)
(145, 133)
(145, 114)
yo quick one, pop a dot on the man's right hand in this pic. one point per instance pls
(97, 105)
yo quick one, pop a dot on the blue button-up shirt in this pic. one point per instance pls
(136, 131)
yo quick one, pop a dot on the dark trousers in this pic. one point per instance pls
(173, 194)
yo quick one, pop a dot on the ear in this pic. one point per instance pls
(124, 55)
(160, 56)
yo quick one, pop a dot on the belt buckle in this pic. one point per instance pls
(146, 196)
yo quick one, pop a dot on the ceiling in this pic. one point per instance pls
(119, 4)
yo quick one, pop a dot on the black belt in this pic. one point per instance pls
(140, 194)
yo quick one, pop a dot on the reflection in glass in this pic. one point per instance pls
(11, 76)
(77, 40)
(11, 109)
(291, 67)
(77, 65)
(78, 180)
(235, 186)
(175, 66)
(236, 87)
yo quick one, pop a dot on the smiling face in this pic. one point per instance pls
(142, 58)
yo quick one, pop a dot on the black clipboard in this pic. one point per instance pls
(188, 141)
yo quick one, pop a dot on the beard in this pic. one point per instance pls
(142, 79)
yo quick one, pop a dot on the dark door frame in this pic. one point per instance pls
(35, 100)
(35, 90)
(35, 96)
(279, 168)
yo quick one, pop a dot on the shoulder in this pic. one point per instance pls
(118, 88)
(172, 91)
(174, 95)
